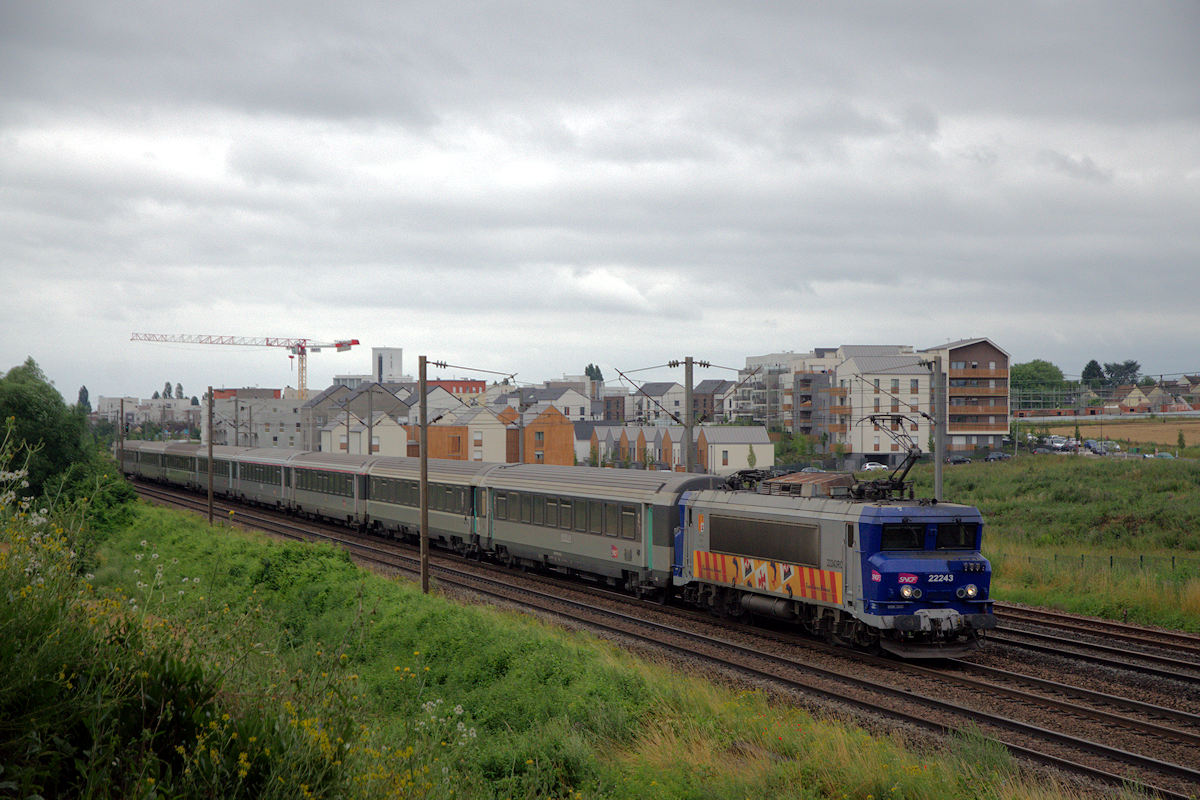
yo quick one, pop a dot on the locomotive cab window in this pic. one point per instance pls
(956, 535)
(902, 536)
(501, 501)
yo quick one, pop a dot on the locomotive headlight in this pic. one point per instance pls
(909, 592)
(970, 591)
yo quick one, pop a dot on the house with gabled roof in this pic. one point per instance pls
(726, 449)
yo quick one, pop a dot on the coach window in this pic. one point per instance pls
(581, 507)
(849, 534)
(612, 519)
(565, 517)
(628, 522)
(539, 510)
(595, 516)
(526, 508)
(501, 511)
(552, 512)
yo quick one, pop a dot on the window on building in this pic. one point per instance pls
(913, 384)
(877, 386)
(895, 384)
(724, 458)
(876, 438)
(539, 457)
(539, 437)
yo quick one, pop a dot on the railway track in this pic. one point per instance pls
(1180, 642)
(1108, 739)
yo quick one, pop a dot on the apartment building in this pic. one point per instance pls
(977, 386)
(831, 393)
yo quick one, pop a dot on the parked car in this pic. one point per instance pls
(1163, 455)
(1041, 451)
(871, 466)
(997, 455)
(957, 460)
(812, 469)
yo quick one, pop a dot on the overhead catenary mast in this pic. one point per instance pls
(297, 347)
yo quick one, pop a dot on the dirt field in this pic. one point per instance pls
(1162, 431)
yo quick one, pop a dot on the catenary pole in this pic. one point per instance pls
(939, 430)
(210, 456)
(121, 433)
(689, 416)
(424, 444)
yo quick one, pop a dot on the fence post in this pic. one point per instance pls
(1110, 562)
(1081, 557)
(1141, 561)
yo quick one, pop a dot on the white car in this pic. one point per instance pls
(873, 465)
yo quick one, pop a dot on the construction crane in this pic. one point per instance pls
(297, 347)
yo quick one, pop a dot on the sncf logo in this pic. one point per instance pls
(906, 577)
(875, 576)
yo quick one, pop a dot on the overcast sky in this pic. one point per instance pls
(529, 187)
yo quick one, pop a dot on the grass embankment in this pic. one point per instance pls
(1088, 534)
(201, 662)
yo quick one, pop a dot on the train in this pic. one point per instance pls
(858, 563)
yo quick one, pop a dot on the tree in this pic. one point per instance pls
(1147, 381)
(154, 396)
(593, 373)
(1034, 382)
(1180, 441)
(83, 401)
(42, 421)
(179, 391)
(1119, 374)
(751, 458)
(1036, 374)
(167, 390)
(196, 400)
(1093, 374)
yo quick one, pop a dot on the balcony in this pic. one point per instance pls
(988, 410)
(976, 427)
(837, 391)
(837, 427)
(978, 373)
(839, 410)
(978, 391)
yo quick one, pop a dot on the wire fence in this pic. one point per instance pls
(1173, 567)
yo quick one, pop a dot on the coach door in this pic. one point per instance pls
(481, 520)
(850, 566)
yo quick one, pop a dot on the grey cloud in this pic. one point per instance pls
(1081, 167)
